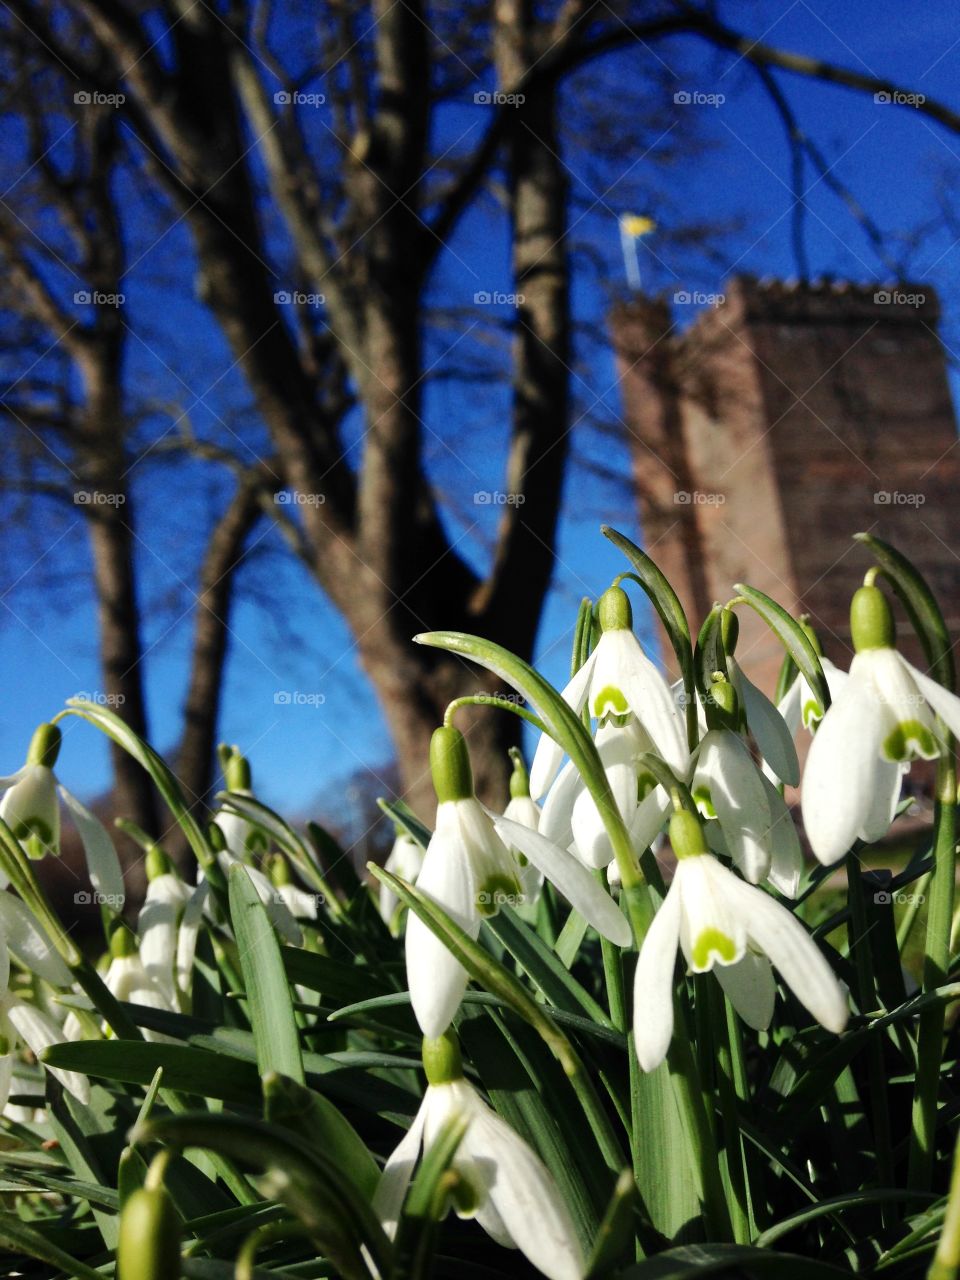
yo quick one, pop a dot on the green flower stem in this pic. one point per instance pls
(726, 1037)
(491, 700)
(946, 1260)
(613, 975)
(105, 1002)
(935, 966)
(20, 872)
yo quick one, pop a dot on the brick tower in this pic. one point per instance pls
(784, 420)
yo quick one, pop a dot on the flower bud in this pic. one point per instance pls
(614, 611)
(871, 621)
(686, 835)
(441, 1059)
(236, 771)
(722, 709)
(157, 863)
(729, 631)
(148, 1247)
(519, 781)
(450, 765)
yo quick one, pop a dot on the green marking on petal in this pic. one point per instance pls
(610, 699)
(703, 801)
(498, 891)
(712, 943)
(646, 783)
(812, 713)
(909, 740)
(467, 1196)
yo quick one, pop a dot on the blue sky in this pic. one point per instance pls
(892, 159)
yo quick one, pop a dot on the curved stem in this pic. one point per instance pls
(491, 700)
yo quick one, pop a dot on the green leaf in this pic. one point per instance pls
(543, 967)
(268, 993)
(664, 599)
(615, 1239)
(662, 1164)
(185, 1069)
(856, 1200)
(322, 1194)
(729, 1260)
(403, 815)
(920, 604)
(793, 638)
(318, 1121)
(120, 732)
(23, 1239)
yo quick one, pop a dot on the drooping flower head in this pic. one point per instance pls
(499, 1180)
(883, 718)
(405, 860)
(722, 924)
(471, 871)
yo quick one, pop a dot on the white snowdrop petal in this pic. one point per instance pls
(103, 865)
(189, 932)
(436, 980)
(39, 1032)
(525, 1196)
(793, 952)
(739, 798)
(649, 817)
(751, 988)
(166, 899)
(549, 754)
(711, 930)
(30, 943)
(570, 878)
(786, 855)
(398, 1171)
(770, 731)
(789, 706)
(884, 798)
(909, 728)
(33, 797)
(649, 698)
(653, 984)
(841, 769)
(589, 833)
(943, 702)
(556, 817)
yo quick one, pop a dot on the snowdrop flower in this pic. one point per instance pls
(470, 872)
(521, 808)
(767, 727)
(128, 980)
(753, 824)
(23, 1023)
(616, 679)
(738, 931)
(801, 706)
(883, 718)
(501, 1182)
(404, 860)
(32, 812)
(163, 907)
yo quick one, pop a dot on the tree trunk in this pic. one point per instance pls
(195, 756)
(110, 522)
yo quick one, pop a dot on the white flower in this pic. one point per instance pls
(801, 706)
(769, 729)
(504, 1184)
(721, 923)
(31, 810)
(404, 860)
(470, 872)
(882, 719)
(24, 1022)
(616, 679)
(570, 815)
(159, 920)
(527, 813)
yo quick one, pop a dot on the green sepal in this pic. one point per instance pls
(793, 638)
